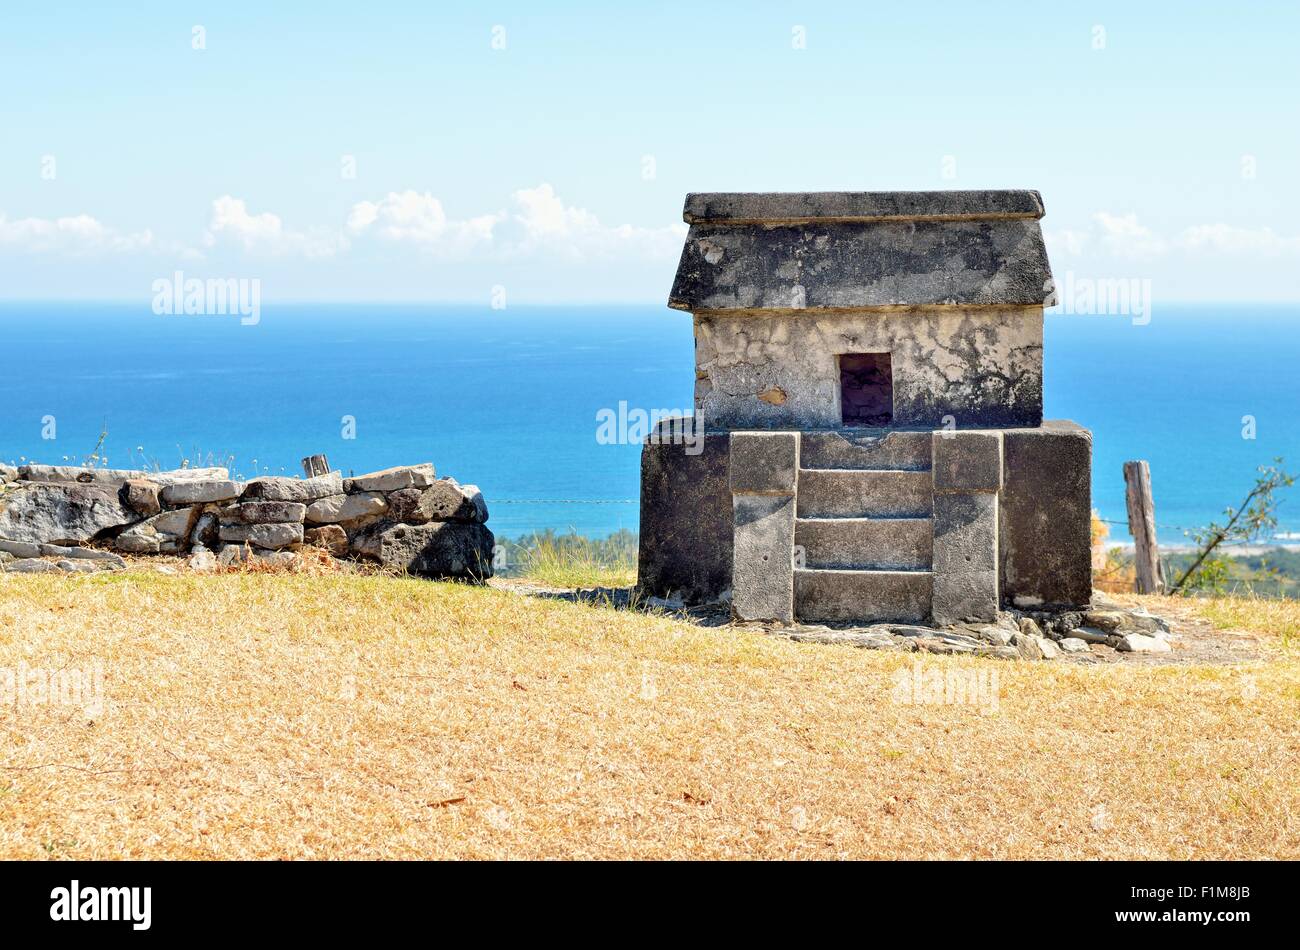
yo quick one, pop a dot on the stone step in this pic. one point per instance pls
(854, 493)
(865, 543)
(866, 449)
(825, 596)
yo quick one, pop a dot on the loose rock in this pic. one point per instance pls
(340, 508)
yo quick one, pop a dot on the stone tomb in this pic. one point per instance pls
(869, 382)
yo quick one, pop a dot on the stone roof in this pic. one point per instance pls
(862, 250)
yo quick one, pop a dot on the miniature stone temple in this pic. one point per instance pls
(870, 442)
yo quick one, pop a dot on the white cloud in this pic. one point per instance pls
(539, 224)
(1228, 239)
(1065, 242)
(420, 219)
(1125, 236)
(77, 234)
(265, 233)
(544, 224)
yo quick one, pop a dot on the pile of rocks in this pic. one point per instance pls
(1027, 635)
(405, 518)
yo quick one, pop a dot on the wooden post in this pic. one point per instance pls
(1142, 525)
(314, 465)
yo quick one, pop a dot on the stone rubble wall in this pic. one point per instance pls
(85, 519)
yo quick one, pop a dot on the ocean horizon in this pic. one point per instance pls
(511, 399)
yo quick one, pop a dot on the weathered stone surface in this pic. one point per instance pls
(8, 473)
(970, 595)
(30, 566)
(1074, 645)
(453, 549)
(204, 533)
(967, 461)
(22, 549)
(864, 494)
(1030, 628)
(741, 356)
(1141, 643)
(115, 477)
(200, 491)
(762, 572)
(340, 508)
(864, 543)
(305, 490)
(686, 520)
(202, 560)
(764, 462)
(966, 533)
(68, 513)
(861, 596)
(862, 264)
(1092, 635)
(444, 500)
(269, 536)
(165, 533)
(1046, 516)
(799, 206)
(393, 479)
(142, 496)
(82, 554)
(866, 449)
(271, 512)
(69, 566)
(330, 537)
(995, 635)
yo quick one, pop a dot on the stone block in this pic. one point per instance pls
(686, 519)
(268, 536)
(1046, 516)
(305, 490)
(444, 500)
(764, 462)
(862, 596)
(62, 513)
(969, 596)
(142, 496)
(393, 479)
(454, 549)
(340, 508)
(965, 533)
(271, 512)
(966, 461)
(763, 570)
(200, 492)
(330, 537)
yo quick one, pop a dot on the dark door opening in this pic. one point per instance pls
(866, 389)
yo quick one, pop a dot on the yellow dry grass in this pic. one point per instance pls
(292, 716)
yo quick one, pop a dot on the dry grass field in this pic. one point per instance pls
(299, 716)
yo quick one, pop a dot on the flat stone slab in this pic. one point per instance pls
(862, 265)
(393, 479)
(849, 596)
(795, 206)
(340, 508)
(305, 490)
(198, 492)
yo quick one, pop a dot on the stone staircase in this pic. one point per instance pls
(863, 527)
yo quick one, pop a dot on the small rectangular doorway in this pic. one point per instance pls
(866, 389)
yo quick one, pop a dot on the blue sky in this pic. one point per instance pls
(1164, 141)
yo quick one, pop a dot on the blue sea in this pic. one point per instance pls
(508, 399)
